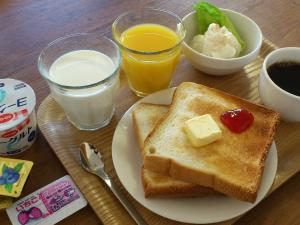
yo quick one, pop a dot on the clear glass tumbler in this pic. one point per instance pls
(82, 71)
(150, 42)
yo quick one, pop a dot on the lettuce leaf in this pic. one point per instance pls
(208, 13)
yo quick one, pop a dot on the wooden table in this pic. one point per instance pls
(26, 26)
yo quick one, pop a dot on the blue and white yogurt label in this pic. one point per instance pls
(17, 116)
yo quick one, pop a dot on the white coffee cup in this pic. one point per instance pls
(287, 104)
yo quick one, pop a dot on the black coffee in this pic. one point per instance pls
(286, 75)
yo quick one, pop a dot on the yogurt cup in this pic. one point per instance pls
(17, 116)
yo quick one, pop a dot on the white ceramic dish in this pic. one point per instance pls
(287, 104)
(246, 27)
(127, 162)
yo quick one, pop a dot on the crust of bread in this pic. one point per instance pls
(157, 185)
(154, 118)
(245, 189)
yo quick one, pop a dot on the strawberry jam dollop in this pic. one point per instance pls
(237, 120)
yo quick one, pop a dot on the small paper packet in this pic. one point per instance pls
(48, 205)
(5, 202)
(13, 175)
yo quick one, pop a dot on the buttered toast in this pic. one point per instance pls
(232, 165)
(145, 116)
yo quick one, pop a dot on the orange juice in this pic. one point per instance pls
(150, 66)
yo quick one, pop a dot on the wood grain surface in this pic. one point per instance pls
(26, 26)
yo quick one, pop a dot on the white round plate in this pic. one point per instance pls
(127, 162)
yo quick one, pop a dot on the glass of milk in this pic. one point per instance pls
(82, 71)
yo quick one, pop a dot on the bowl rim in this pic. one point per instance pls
(267, 76)
(258, 46)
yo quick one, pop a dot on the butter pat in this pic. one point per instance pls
(202, 130)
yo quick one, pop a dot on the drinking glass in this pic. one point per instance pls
(88, 106)
(148, 71)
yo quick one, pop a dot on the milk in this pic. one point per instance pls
(87, 108)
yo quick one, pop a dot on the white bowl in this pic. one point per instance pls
(245, 26)
(287, 104)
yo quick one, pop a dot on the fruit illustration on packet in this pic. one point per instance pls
(31, 214)
(13, 175)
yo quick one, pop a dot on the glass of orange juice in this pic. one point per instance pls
(150, 42)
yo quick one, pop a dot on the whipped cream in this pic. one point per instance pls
(217, 42)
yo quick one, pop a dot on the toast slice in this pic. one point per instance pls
(145, 116)
(232, 165)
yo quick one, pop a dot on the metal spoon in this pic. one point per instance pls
(91, 161)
